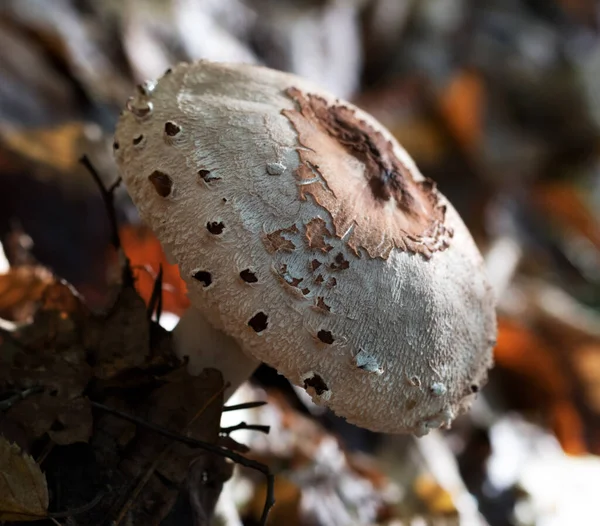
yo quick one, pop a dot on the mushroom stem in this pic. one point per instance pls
(207, 347)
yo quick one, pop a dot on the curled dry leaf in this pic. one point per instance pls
(20, 290)
(120, 338)
(23, 489)
(49, 355)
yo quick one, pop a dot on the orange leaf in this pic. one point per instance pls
(146, 255)
(461, 105)
(527, 355)
(21, 288)
(561, 202)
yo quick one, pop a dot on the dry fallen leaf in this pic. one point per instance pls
(23, 489)
(20, 290)
(461, 105)
(120, 338)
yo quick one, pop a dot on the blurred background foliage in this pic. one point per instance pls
(498, 101)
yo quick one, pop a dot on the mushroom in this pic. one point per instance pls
(309, 240)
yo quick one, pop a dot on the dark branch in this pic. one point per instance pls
(247, 405)
(108, 196)
(155, 303)
(5, 405)
(83, 509)
(249, 427)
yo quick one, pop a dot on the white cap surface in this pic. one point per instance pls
(305, 232)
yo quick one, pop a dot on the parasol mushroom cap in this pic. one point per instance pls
(306, 232)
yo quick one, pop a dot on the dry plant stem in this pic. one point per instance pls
(246, 405)
(248, 427)
(5, 405)
(212, 448)
(207, 347)
(82, 509)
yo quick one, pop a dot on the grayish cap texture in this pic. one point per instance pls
(304, 231)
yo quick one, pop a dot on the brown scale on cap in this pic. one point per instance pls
(275, 241)
(316, 230)
(374, 202)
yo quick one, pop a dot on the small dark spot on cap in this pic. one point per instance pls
(339, 262)
(474, 388)
(305, 291)
(168, 72)
(317, 383)
(215, 227)
(203, 277)
(224, 199)
(137, 140)
(207, 176)
(325, 336)
(411, 404)
(162, 183)
(115, 145)
(172, 129)
(259, 322)
(315, 264)
(248, 276)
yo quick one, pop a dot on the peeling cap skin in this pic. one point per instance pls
(305, 232)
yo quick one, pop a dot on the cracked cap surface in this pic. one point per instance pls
(304, 230)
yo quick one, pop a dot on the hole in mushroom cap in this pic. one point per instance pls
(215, 227)
(438, 389)
(248, 276)
(339, 262)
(203, 277)
(259, 322)
(367, 362)
(207, 176)
(172, 129)
(140, 111)
(415, 381)
(162, 183)
(317, 383)
(474, 388)
(137, 140)
(325, 336)
(115, 145)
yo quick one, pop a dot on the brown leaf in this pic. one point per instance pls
(461, 105)
(539, 381)
(20, 290)
(120, 339)
(23, 489)
(190, 403)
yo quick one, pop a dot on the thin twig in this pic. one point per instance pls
(82, 509)
(249, 427)
(246, 405)
(218, 450)
(108, 198)
(155, 303)
(5, 405)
